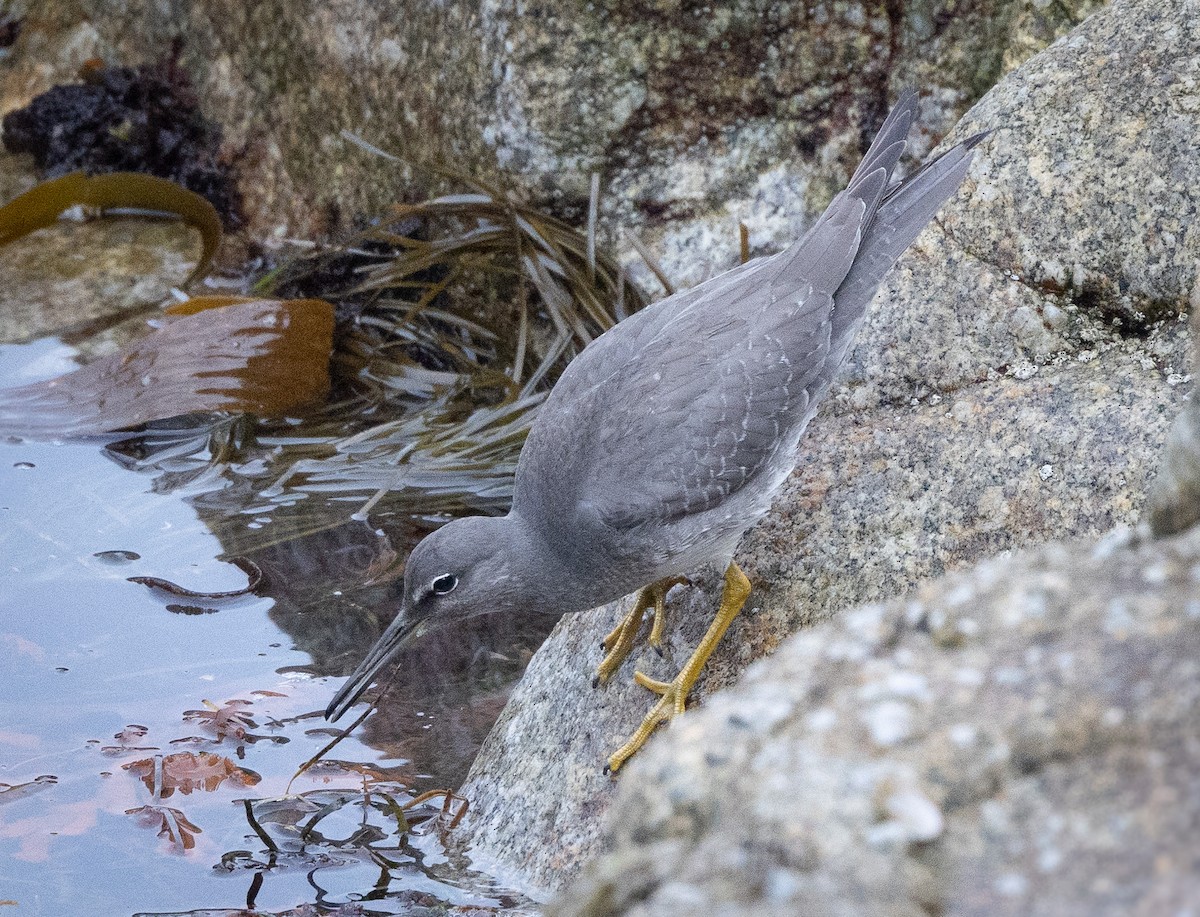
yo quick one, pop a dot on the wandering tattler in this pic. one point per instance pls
(667, 437)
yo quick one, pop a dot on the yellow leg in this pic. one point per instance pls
(660, 608)
(619, 642)
(673, 694)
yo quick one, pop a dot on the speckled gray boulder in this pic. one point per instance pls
(1014, 385)
(1017, 739)
(1174, 503)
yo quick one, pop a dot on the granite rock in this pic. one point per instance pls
(696, 115)
(1018, 738)
(1174, 502)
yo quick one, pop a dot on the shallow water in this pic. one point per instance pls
(100, 673)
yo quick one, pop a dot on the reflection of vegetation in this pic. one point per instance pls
(189, 772)
(374, 821)
(170, 823)
(186, 772)
(431, 460)
(378, 825)
(370, 815)
(455, 318)
(189, 451)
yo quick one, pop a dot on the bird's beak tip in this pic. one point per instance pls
(399, 634)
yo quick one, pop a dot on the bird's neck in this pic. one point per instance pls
(535, 577)
(555, 574)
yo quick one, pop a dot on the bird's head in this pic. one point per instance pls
(465, 568)
(468, 567)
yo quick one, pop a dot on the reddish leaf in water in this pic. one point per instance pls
(186, 771)
(261, 356)
(229, 721)
(171, 823)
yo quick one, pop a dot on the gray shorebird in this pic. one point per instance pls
(668, 436)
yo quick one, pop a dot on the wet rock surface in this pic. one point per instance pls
(76, 279)
(990, 404)
(1015, 739)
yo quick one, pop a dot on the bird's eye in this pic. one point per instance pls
(444, 584)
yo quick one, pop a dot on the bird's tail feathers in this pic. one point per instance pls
(871, 179)
(891, 140)
(904, 211)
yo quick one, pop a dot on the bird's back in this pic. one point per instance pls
(688, 412)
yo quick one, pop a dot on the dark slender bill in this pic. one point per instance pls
(399, 634)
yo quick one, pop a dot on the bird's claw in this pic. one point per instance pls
(673, 694)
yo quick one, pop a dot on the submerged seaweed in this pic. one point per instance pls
(455, 317)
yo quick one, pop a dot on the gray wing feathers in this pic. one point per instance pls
(701, 408)
(715, 418)
(688, 401)
(596, 360)
(825, 255)
(868, 184)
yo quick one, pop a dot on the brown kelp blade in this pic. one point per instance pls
(260, 356)
(42, 205)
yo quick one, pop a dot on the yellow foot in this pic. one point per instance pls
(619, 642)
(661, 588)
(672, 700)
(673, 694)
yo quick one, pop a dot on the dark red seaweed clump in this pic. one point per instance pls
(128, 119)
